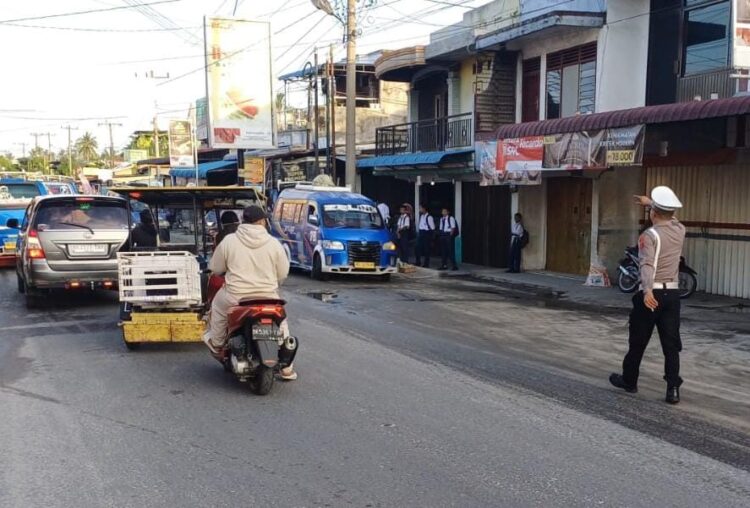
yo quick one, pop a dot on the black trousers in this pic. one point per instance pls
(666, 319)
(448, 249)
(514, 256)
(424, 246)
(404, 247)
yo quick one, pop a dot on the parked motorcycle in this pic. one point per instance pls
(257, 347)
(629, 276)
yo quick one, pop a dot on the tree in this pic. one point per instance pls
(6, 162)
(87, 146)
(37, 159)
(144, 140)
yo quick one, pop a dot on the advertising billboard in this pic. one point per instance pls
(238, 83)
(181, 144)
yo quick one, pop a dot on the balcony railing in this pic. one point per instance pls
(706, 85)
(434, 135)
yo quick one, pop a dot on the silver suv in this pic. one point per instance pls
(70, 242)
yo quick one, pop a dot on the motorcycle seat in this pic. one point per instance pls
(260, 301)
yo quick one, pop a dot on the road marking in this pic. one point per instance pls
(53, 324)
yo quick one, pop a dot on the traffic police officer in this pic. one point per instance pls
(658, 301)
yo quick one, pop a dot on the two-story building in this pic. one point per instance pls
(567, 82)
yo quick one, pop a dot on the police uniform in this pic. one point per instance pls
(659, 250)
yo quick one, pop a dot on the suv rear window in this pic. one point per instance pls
(22, 190)
(77, 213)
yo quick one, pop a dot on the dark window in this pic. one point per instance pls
(530, 90)
(22, 190)
(77, 213)
(571, 81)
(553, 93)
(707, 38)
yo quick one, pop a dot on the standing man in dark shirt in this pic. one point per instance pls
(144, 234)
(657, 304)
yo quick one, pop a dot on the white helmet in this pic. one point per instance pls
(665, 199)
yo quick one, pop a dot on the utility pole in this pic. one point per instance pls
(156, 136)
(111, 141)
(49, 152)
(332, 87)
(70, 148)
(36, 144)
(351, 84)
(317, 114)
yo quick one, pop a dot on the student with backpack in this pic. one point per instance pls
(448, 233)
(425, 235)
(519, 238)
(404, 233)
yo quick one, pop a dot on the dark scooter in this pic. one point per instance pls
(256, 349)
(629, 275)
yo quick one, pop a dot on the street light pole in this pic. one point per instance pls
(351, 84)
(70, 149)
(111, 142)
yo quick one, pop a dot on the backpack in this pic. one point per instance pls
(524, 238)
(458, 232)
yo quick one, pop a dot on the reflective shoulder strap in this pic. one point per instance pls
(655, 234)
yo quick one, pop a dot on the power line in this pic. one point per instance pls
(79, 13)
(101, 30)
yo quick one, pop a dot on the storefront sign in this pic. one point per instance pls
(741, 24)
(254, 171)
(514, 161)
(181, 153)
(595, 149)
(238, 80)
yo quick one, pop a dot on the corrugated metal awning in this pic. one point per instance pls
(203, 169)
(665, 113)
(411, 159)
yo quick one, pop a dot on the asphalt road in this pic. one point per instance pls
(418, 392)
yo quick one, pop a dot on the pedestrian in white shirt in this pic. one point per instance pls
(403, 234)
(516, 234)
(425, 235)
(448, 234)
(385, 212)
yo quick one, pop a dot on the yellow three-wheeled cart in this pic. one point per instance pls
(163, 288)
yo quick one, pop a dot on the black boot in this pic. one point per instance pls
(673, 395)
(619, 382)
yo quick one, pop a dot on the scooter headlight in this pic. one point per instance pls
(389, 246)
(332, 245)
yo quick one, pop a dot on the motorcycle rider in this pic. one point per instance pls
(657, 304)
(255, 264)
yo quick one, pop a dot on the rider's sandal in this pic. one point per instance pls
(288, 377)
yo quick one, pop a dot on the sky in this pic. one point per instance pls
(87, 69)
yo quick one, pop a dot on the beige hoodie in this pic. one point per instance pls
(254, 262)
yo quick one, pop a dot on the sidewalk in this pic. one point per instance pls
(570, 291)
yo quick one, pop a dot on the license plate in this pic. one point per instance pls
(261, 332)
(87, 248)
(9, 246)
(365, 265)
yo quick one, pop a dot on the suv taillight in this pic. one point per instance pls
(33, 246)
